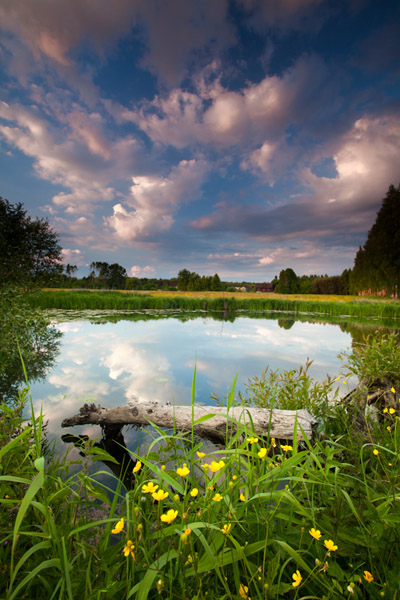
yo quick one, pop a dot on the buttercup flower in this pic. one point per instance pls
(217, 498)
(273, 443)
(385, 410)
(162, 468)
(149, 488)
(368, 577)
(160, 495)
(329, 545)
(242, 497)
(234, 477)
(393, 390)
(297, 578)
(315, 533)
(226, 529)
(286, 448)
(252, 440)
(119, 526)
(376, 452)
(243, 589)
(391, 411)
(128, 549)
(188, 531)
(169, 516)
(183, 471)
(137, 467)
(261, 453)
(201, 454)
(216, 466)
(194, 492)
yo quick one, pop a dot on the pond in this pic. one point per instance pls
(112, 361)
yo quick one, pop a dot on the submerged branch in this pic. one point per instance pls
(212, 423)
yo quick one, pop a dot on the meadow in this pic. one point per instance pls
(258, 518)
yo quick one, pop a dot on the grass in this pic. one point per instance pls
(332, 306)
(266, 519)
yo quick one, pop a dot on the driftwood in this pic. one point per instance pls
(211, 422)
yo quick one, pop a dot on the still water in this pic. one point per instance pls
(113, 363)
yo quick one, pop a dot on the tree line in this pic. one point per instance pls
(30, 254)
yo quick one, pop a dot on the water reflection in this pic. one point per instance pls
(113, 363)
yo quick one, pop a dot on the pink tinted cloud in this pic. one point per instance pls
(366, 163)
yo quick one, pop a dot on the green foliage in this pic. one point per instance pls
(29, 248)
(192, 282)
(290, 390)
(376, 359)
(288, 282)
(377, 263)
(265, 514)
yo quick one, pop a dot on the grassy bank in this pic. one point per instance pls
(263, 520)
(214, 301)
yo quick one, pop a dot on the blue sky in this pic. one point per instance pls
(240, 137)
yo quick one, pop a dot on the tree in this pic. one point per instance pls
(377, 263)
(288, 282)
(29, 248)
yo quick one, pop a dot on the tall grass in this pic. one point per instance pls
(259, 518)
(81, 300)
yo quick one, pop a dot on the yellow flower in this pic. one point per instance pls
(261, 453)
(201, 454)
(211, 487)
(119, 526)
(315, 533)
(216, 466)
(242, 498)
(149, 488)
(188, 531)
(337, 378)
(376, 452)
(217, 498)
(234, 477)
(183, 471)
(194, 492)
(389, 428)
(160, 495)
(329, 545)
(252, 440)
(385, 410)
(162, 468)
(243, 589)
(273, 443)
(169, 516)
(297, 578)
(368, 577)
(391, 411)
(128, 549)
(286, 449)
(393, 390)
(226, 529)
(345, 382)
(137, 467)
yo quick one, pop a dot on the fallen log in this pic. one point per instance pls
(211, 422)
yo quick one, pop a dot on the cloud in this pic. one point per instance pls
(366, 161)
(258, 114)
(74, 153)
(154, 201)
(137, 271)
(72, 256)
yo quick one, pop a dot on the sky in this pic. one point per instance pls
(236, 137)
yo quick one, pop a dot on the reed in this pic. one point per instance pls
(101, 300)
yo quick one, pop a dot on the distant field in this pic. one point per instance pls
(214, 301)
